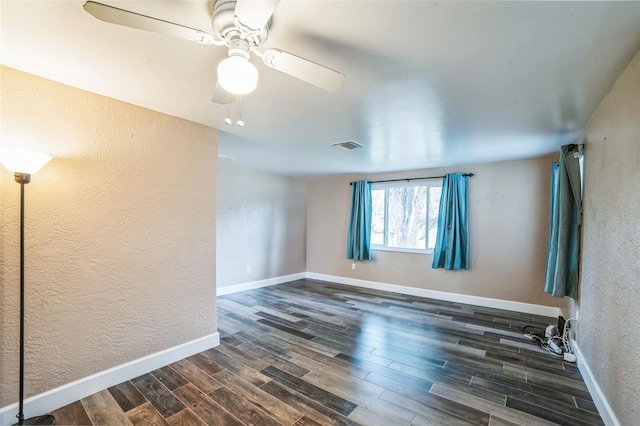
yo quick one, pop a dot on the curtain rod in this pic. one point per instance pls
(410, 179)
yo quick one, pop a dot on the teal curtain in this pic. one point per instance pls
(564, 225)
(452, 240)
(359, 238)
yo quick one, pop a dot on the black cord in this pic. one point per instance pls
(536, 332)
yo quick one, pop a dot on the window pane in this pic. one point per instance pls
(407, 217)
(377, 221)
(434, 206)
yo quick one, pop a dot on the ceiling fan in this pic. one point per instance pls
(242, 26)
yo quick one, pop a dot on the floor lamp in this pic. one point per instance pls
(23, 164)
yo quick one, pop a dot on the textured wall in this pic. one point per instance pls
(120, 233)
(508, 208)
(261, 224)
(609, 323)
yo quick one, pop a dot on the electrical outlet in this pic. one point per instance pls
(353, 266)
(248, 269)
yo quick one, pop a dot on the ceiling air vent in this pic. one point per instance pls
(347, 145)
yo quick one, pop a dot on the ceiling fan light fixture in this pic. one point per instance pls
(237, 75)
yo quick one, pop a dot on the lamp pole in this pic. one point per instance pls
(23, 179)
(24, 164)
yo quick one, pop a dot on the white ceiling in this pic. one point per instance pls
(427, 83)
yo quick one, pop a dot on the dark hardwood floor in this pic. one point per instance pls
(310, 353)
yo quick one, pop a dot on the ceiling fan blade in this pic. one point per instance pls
(221, 96)
(126, 18)
(255, 14)
(303, 69)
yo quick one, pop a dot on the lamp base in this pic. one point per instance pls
(46, 420)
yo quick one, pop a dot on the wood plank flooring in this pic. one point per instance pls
(310, 353)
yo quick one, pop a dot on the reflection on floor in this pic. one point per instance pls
(309, 353)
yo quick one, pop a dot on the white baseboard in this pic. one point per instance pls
(66, 394)
(508, 305)
(606, 412)
(261, 283)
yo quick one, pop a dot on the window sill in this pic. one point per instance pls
(402, 250)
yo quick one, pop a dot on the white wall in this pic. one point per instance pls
(120, 233)
(261, 221)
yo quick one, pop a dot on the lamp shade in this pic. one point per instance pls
(237, 75)
(23, 161)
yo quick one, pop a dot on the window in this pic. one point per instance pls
(405, 215)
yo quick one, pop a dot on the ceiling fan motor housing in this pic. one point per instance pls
(225, 29)
(239, 47)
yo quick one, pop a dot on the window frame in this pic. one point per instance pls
(428, 183)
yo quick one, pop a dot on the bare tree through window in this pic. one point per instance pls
(405, 216)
